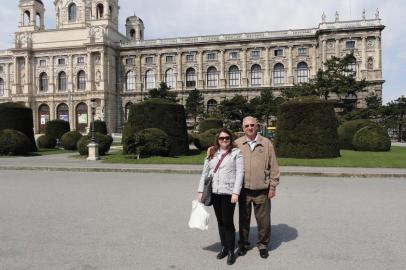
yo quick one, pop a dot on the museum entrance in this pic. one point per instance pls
(81, 117)
(43, 117)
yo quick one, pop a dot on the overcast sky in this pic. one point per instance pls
(175, 18)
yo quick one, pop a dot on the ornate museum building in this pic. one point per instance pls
(57, 72)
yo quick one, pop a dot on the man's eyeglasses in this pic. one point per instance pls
(227, 138)
(249, 125)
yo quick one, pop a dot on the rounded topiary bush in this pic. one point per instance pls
(148, 142)
(70, 139)
(307, 128)
(99, 127)
(56, 128)
(14, 142)
(371, 138)
(347, 130)
(206, 139)
(104, 142)
(210, 123)
(46, 141)
(18, 117)
(157, 113)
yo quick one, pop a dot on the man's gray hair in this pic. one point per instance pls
(250, 117)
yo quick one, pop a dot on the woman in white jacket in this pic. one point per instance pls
(227, 182)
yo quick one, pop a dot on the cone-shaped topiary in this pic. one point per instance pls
(18, 117)
(14, 142)
(70, 140)
(307, 128)
(371, 138)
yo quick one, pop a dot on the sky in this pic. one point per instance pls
(178, 18)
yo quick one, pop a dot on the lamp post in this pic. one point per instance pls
(93, 147)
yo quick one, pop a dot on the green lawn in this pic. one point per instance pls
(396, 158)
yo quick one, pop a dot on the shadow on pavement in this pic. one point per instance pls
(280, 233)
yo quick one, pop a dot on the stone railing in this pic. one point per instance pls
(350, 24)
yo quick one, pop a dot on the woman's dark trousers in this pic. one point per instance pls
(224, 210)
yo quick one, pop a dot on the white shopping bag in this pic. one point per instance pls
(199, 217)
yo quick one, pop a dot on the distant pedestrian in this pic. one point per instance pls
(226, 164)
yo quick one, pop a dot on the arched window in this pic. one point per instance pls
(234, 76)
(81, 80)
(190, 77)
(1, 87)
(72, 12)
(43, 116)
(99, 11)
(370, 63)
(211, 106)
(130, 80)
(302, 72)
(150, 79)
(127, 110)
(352, 66)
(212, 77)
(278, 75)
(170, 79)
(81, 117)
(62, 81)
(62, 112)
(43, 82)
(38, 20)
(132, 34)
(26, 18)
(256, 75)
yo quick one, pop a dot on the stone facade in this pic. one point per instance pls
(59, 72)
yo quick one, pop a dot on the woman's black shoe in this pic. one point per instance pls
(223, 253)
(231, 258)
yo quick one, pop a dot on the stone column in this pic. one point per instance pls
(222, 74)
(364, 54)
(377, 52)
(51, 81)
(15, 89)
(159, 70)
(179, 84)
(52, 114)
(200, 79)
(314, 62)
(337, 47)
(27, 75)
(70, 74)
(103, 70)
(89, 83)
(323, 53)
(8, 81)
(290, 66)
(244, 79)
(139, 78)
(267, 81)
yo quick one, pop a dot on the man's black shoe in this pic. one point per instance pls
(231, 258)
(263, 253)
(242, 251)
(223, 253)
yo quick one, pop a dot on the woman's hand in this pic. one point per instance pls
(210, 151)
(234, 198)
(199, 196)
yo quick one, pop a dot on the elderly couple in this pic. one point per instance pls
(248, 173)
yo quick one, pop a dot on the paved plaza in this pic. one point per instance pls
(88, 221)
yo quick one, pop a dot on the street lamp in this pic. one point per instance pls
(93, 147)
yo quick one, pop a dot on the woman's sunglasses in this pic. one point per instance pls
(227, 138)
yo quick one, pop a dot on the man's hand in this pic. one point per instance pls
(199, 196)
(271, 194)
(234, 198)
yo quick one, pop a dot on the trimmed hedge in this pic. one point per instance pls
(210, 123)
(14, 142)
(70, 140)
(167, 116)
(99, 126)
(56, 128)
(307, 128)
(148, 142)
(206, 139)
(46, 141)
(18, 117)
(371, 138)
(347, 130)
(104, 142)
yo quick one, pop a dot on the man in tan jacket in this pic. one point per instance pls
(260, 180)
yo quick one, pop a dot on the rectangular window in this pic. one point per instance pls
(61, 61)
(190, 57)
(1, 69)
(81, 60)
(211, 56)
(233, 55)
(149, 60)
(350, 44)
(255, 54)
(278, 52)
(42, 63)
(129, 61)
(301, 51)
(169, 59)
